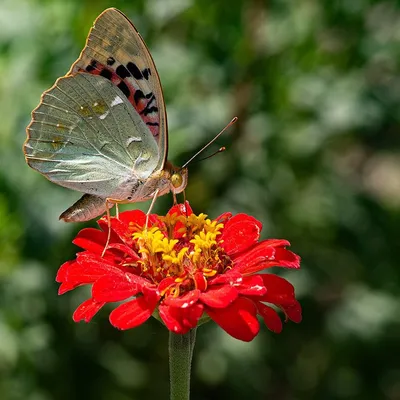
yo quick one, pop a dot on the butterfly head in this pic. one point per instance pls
(178, 178)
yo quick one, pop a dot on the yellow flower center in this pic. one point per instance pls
(187, 249)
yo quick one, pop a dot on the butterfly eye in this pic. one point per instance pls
(176, 180)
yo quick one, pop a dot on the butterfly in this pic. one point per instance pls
(102, 128)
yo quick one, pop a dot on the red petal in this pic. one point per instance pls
(271, 318)
(223, 218)
(103, 224)
(122, 230)
(181, 209)
(293, 312)
(276, 242)
(151, 294)
(165, 284)
(238, 320)
(279, 290)
(127, 250)
(287, 258)
(111, 288)
(265, 255)
(240, 232)
(232, 277)
(87, 310)
(185, 301)
(252, 286)
(133, 217)
(88, 269)
(261, 252)
(200, 281)
(132, 314)
(170, 318)
(219, 296)
(192, 315)
(136, 219)
(281, 293)
(180, 320)
(63, 271)
(91, 239)
(66, 287)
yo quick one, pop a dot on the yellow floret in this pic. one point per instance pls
(170, 220)
(195, 255)
(174, 258)
(196, 222)
(159, 253)
(153, 241)
(213, 226)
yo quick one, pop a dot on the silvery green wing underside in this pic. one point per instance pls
(114, 49)
(86, 136)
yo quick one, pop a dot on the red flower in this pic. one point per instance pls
(183, 267)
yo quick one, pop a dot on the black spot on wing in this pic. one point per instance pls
(122, 72)
(110, 60)
(146, 73)
(148, 110)
(106, 73)
(152, 123)
(92, 66)
(134, 70)
(151, 98)
(124, 88)
(138, 96)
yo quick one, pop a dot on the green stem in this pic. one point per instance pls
(180, 361)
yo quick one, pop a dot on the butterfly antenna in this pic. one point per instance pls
(210, 142)
(220, 150)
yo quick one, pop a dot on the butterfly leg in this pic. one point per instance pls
(174, 197)
(116, 211)
(184, 202)
(108, 203)
(151, 206)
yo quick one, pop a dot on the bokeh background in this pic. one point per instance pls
(314, 156)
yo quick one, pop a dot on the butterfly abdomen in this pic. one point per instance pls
(85, 209)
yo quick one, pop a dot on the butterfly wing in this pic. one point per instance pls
(86, 136)
(115, 50)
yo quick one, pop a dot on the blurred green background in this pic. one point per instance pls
(314, 156)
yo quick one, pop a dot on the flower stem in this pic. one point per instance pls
(180, 361)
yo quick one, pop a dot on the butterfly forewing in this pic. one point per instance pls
(102, 129)
(86, 136)
(115, 50)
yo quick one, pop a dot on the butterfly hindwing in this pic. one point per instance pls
(86, 136)
(115, 50)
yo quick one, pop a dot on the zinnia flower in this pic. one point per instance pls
(183, 269)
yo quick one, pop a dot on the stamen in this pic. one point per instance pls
(188, 261)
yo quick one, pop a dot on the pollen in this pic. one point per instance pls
(179, 249)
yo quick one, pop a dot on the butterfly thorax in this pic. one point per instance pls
(169, 179)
